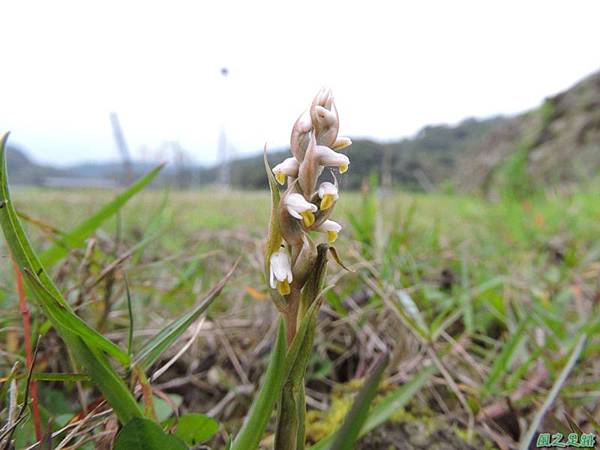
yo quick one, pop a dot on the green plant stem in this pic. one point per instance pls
(290, 314)
(287, 421)
(301, 408)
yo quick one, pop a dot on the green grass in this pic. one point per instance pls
(515, 282)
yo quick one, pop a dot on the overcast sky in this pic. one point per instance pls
(393, 66)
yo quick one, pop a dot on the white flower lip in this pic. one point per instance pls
(327, 188)
(300, 209)
(332, 229)
(281, 268)
(328, 193)
(330, 225)
(280, 272)
(287, 168)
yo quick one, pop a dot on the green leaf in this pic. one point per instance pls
(152, 350)
(144, 434)
(257, 419)
(290, 420)
(47, 294)
(59, 314)
(503, 360)
(274, 237)
(85, 343)
(62, 377)
(554, 392)
(316, 280)
(165, 409)
(348, 434)
(194, 428)
(395, 400)
(387, 407)
(106, 379)
(300, 349)
(77, 236)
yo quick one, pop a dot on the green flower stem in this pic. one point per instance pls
(301, 407)
(288, 423)
(290, 314)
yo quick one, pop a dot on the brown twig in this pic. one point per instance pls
(24, 310)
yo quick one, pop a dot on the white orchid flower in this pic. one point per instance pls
(300, 209)
(280, 271)
(332, 229)
(328, 193)
(327, 157)
(287, 168)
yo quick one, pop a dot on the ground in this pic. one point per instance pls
(496, 294)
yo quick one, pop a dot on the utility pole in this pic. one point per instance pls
(224, 175)
(123, 149)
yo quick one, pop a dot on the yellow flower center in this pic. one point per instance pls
(343, 168)
(327, 201)
(280, 177)
(332, 236)
(308, 218)
(283, 287)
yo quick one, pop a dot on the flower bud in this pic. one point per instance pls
(287, 168)
(300, 135)
(341, 143)
(280, 271)
(309, 169)
(324, 117)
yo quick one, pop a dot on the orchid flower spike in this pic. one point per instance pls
(281, 271)
(287, 168)
(332, 229)
(300, 209)
(328, 193)
(328, 157)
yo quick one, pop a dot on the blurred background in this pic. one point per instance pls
(436, 94)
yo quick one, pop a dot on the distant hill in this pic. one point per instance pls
(557, 143)
(24, 171)
(421, 162)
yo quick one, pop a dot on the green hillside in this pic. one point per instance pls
(557, 144)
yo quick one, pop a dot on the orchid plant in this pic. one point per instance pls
(295, 265)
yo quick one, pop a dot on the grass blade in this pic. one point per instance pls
(85, 342)
(152, 350)
(106, 380)
(348, 434)
(57, 313)
(390, 404)
(558, 384)
(47, 294)
(503, 360)
(256, 421)
(77, 236)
